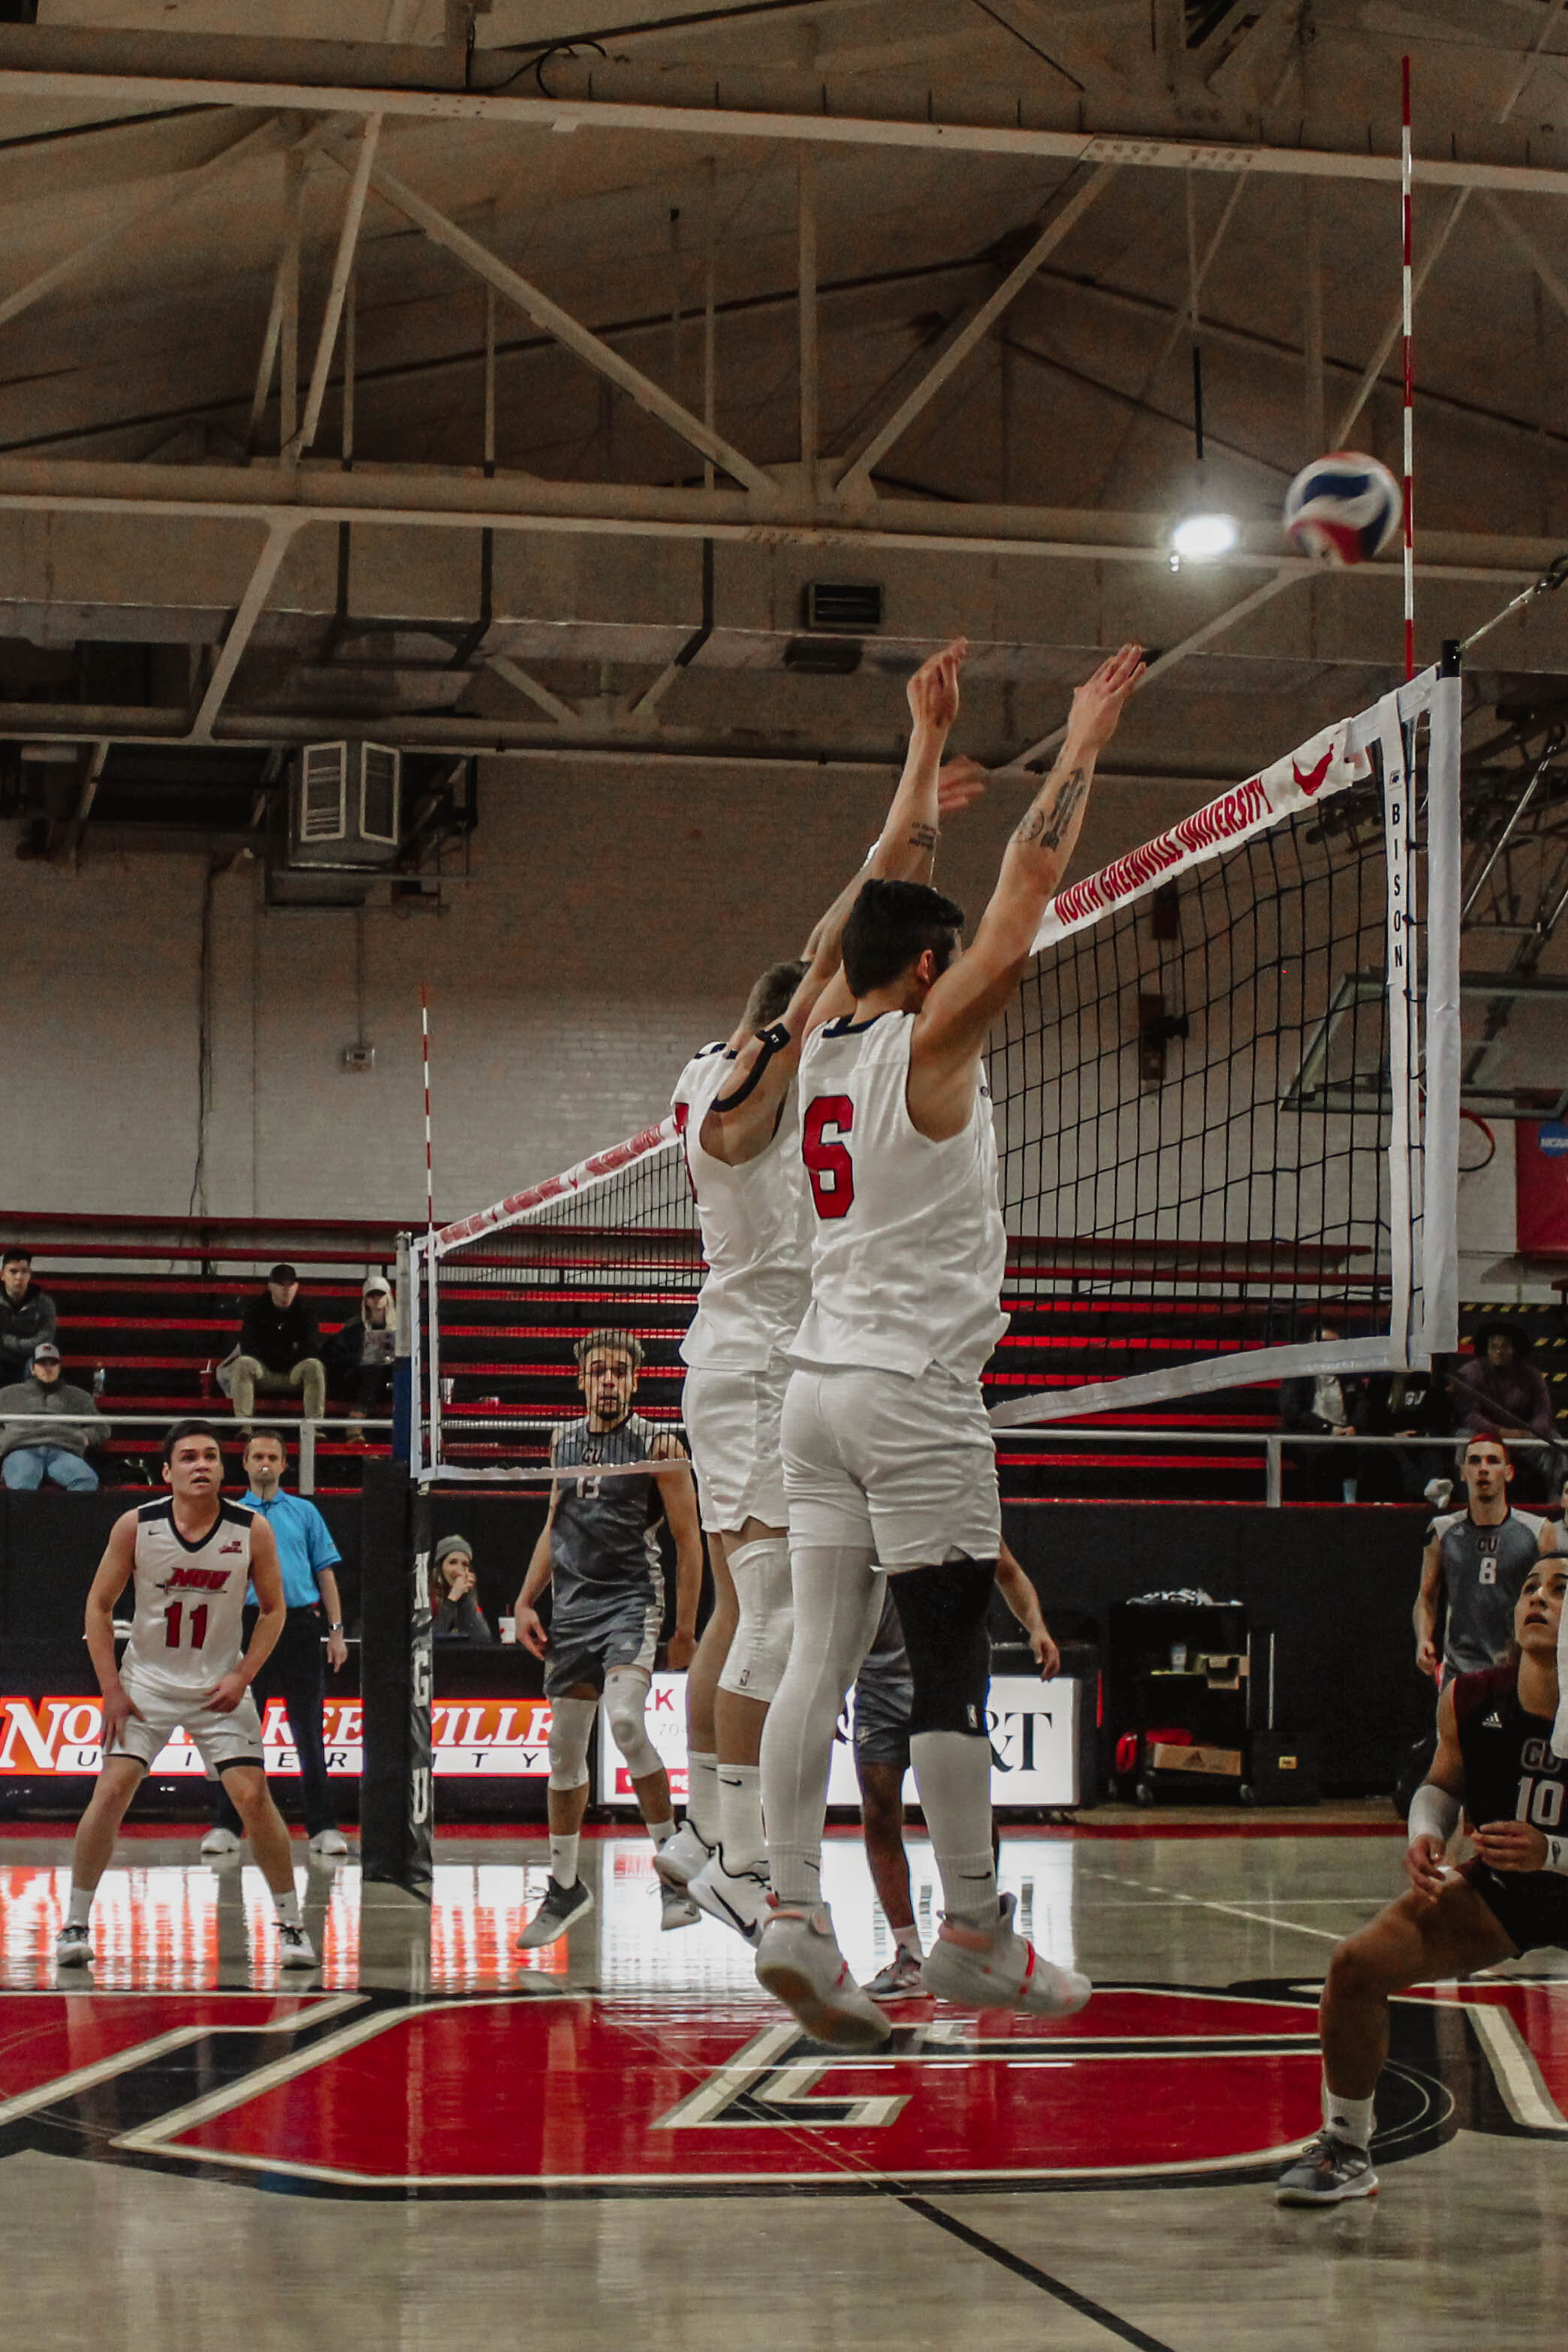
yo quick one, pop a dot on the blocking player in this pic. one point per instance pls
(742, 1139)
(889, 1460)
(884, 1696)
(599, 1550)
(192, 1558)
(1495, 1769)
(1476, 1562)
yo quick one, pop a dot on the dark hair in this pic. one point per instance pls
(771, 993)
(1484, 1333)
(889, 925)
(611, 1342)
(188, 1429)
(20, 1256)
(276, 1435)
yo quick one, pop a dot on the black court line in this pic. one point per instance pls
(1083, 2303)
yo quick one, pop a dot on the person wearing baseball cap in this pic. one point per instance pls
(280, 1349)
(30, 1453)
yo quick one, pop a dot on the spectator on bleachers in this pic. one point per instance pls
(31, 1454)
(1324, 1404)
(26, 1314)
(280, 1349)
(359, 1357)
(457, 1615)
(1507, 1396)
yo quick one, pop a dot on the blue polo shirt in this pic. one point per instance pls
(304, 1543)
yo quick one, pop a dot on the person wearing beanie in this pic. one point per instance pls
(457, 1612)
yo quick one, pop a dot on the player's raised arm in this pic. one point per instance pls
(970, 994)
(114, 1572)
(742, 1119)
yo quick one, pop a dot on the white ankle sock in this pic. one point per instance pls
(80, 1911)
(1347, 2119)
(741, 1817)
(702, 1799)
(908, 1940)
(288, 1909)
(563, 1859)
(952, 1774)
(661, 1832)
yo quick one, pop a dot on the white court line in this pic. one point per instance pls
(1231, 1910)
(158, 2045)
(1518, 2076)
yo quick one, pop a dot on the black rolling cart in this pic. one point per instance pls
(1179, 1680)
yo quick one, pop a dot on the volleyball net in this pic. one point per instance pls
(1228, 1110)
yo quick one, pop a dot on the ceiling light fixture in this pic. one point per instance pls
(1201, 538)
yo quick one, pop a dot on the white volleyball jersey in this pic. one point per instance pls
(908, 1248)
(189, 1598)
(756, 1231)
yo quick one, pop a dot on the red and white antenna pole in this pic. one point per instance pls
(429, 1157)
(1409, 311)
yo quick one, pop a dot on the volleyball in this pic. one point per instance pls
(1343, 508)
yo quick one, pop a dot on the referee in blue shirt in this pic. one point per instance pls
(308, 1556)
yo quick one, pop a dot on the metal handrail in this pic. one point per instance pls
(307, 1429)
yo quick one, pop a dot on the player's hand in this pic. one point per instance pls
(1097, 704)
(1047, 1657)
(958, 783)
(459, 1586)
(119, 1706)
(226, 1696)
(1427, 1659)
(1424, 1866)
(530, 1628)
(337, 1652)
(1513, 1845)
(681, 1651)
(934, 689)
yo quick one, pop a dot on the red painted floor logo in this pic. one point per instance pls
(520, 2095)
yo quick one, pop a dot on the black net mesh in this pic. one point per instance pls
(617, 1249)
(1195, 1113)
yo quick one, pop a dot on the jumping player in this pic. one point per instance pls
(1495, 1768)
(191, 1556)
(889, 1460)
(599, 1550)
(884, 1696)
(742, 1150)
(1476, 1562)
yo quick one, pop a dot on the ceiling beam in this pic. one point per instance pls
(240, 630)
(109, 67)
(570, 332)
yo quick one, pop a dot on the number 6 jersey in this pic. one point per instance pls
(909, 1247)
(188, 1629)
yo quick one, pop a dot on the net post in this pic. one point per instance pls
(1273, 1473)
(402, 1360)
(1394, 744)
(396, 1802)
(307, 1456)
(1439, 1333)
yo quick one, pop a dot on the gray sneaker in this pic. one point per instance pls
(1327, 2171)
(900, 1980)
(562, 1909)
(999, 1970)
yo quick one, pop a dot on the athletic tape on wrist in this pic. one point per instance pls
(1433, 1814)
(1557, 1855)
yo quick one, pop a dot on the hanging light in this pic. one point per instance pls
(1200, 538)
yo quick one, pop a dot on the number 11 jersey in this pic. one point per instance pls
(188, 1629)
(908, 1248)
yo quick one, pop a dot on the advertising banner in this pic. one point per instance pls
(469, 1739)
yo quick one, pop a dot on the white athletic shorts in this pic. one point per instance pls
(732, 1421)
(903, 1462)
(219, 1739)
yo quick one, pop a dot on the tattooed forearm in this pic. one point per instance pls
(923, 836)
(1048, 821)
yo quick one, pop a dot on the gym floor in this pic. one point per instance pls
(443, 2139)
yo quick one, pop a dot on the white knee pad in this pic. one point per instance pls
(626, 1701)
(759, 1652)
(571, 1725)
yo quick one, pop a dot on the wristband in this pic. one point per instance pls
(335, 1629)
(1433, 1814)
(1556, 1855)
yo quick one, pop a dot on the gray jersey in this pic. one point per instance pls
(1484, 1571)
(605, 1539)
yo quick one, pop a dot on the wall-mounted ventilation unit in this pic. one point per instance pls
(344, 805)
(851, 605)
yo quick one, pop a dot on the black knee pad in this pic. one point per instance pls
(944, 1611)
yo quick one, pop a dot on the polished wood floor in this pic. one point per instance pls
(433, 2139)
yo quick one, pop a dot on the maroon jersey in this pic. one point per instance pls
(1513, 1775)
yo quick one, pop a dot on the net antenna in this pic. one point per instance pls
(1228, 1092)
(610, 1246)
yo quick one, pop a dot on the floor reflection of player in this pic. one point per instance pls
(189, 1560)
(1494, 1766)
(884, 1700)
(599, 1550)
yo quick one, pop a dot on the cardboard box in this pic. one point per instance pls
(1225, 1763)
